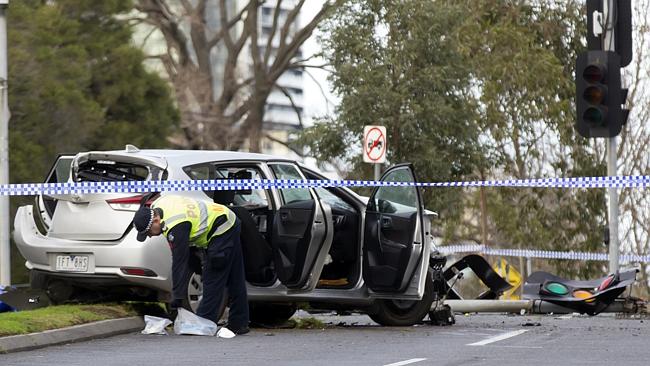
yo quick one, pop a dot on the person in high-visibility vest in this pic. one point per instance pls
(186, 221)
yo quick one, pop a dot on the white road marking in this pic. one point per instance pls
(413, 360)
(453, 333)
(499, 338)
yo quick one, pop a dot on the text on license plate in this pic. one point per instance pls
(75, 263)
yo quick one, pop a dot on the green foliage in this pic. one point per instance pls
(306, 323)
(77, 83)
(398, 65)
(523, 55)
(470, 89)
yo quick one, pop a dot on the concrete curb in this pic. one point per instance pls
(77, 333)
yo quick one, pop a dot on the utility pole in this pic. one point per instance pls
(5, 249)
(609, 45)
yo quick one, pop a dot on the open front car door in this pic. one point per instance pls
(395, 253)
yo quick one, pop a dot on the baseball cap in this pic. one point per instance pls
(142, 221)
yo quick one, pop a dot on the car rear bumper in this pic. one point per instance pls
(105, 259)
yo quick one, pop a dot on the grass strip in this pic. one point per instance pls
(55, 317)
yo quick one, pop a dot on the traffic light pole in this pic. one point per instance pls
(608, 40)
(5, 249)
(613, 207)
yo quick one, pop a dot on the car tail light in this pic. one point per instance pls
(143, 272)
(129, 203)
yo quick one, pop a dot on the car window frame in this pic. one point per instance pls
(343, 193)
(313, 194)
(258, 166)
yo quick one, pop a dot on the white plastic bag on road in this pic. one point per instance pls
(155, 325)
(189, 323)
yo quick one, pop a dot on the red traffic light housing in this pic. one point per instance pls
(599, 95)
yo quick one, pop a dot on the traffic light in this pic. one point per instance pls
(599, 95)
(591, 296)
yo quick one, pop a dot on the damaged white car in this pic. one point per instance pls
(328, 247)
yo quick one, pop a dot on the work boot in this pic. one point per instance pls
(240, 331)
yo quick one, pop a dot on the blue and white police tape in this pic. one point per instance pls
(546, 254)
(244, 184)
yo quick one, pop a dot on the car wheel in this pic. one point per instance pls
(194, 292)
(271, 314)
(403, 312)
(195, 295)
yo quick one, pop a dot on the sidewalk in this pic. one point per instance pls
(77, 333)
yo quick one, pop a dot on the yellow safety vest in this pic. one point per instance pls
(201, 214)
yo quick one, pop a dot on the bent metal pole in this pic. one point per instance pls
(524, 306)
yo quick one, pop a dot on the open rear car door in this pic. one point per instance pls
(302, 233)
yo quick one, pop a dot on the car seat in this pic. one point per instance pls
(258, 255)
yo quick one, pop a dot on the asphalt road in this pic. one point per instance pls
(355, 340)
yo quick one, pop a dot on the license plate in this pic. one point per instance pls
(72, 263)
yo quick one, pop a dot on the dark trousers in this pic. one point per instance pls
(224, 268)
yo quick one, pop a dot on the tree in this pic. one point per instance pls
(221, 72)
(398, 64)
(471, 89)
(77, 83)
(523, 55)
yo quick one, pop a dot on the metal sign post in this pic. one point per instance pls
(374, 147)
(5, 249)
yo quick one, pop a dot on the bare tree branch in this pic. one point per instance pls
(274, 27)
(291, 18)
(287, 52)
(285, 144)
(322, 92)
(293, 104)
(223, 108)
(303, 61)
(226, 27)
(230, 87)
(159, 15)
(189, 10)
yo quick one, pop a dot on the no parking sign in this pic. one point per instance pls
(374, 144)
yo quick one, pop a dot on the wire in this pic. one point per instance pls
(604, 19)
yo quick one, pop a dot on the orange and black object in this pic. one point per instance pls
(586, 297)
